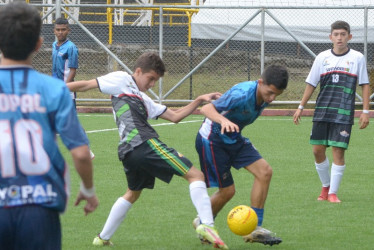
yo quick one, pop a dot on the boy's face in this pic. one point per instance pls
(267, 92)
(340, 38)
(146, 80)
(61, 32)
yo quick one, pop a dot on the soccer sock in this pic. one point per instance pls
(336, 177)
(260, 215)
(200, 199)
(323, 172)
(116, 216)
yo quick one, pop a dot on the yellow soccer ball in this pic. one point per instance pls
(242, 220)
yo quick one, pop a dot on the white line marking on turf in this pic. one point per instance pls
(154, 125)
(183, 122)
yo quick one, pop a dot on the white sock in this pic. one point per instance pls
(200, 199)
(336, 177)
(116, 216)
(323, 172)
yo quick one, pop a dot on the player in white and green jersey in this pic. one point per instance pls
(143, 155)
(337, 70)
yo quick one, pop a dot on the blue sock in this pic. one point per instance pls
(260, 215)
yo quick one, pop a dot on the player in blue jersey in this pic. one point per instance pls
(143, 155)
(64, 52)
(65, 56)
(220, 144)
(337, 70)
(34, 180)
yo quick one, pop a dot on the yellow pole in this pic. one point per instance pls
(110, 23)
(189, 14)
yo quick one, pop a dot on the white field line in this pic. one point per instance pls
(183, 122)
(154, 125)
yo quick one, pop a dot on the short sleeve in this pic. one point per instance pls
(113, 82)
(154, 109)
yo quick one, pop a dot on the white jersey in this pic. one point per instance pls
(338, 76)
(132, 108)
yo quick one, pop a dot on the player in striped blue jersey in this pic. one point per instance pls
(220, 144)
(337, 70)
(34, 180)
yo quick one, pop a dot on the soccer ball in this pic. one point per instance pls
(242, 220)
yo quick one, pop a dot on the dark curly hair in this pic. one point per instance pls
(20, 25)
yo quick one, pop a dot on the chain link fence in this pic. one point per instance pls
(205, 48)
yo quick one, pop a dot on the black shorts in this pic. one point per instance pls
(30, 227)
(153, 159)
(331, 134)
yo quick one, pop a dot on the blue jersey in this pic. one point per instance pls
(64, 57)
(239, 105)
(33, 108)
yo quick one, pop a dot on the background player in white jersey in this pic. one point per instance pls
(220, 144)
(337, 70)
(34, 183)
(143, 155)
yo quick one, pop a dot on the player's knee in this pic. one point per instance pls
(227, 193)
(194, 175)
(266, 173)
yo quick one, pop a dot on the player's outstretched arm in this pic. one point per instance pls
(83, 164)
(82, 86)
(178, 115)
(210, 111)
(309, 89)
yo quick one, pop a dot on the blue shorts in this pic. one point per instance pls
(30, 227)
(217, 158)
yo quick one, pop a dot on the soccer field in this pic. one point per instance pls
(161, 218)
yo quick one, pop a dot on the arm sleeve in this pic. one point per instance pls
(314, 74)
(67, 123)
(229, 100)
(363, 73)
(111, 83)
(154, 109)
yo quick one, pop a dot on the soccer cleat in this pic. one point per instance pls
(92, 155)
(195, 223)
(100, 242)
(210, 234)
(333, 198)
(262, 235)
(324, 193)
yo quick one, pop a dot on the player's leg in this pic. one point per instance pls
(322, 165)
(338, 137)
(30, 227)
(221, 197)
(337, 171)
(116, 216)
(262, 173)
(137, 180)
(319, 140)
(215, 162)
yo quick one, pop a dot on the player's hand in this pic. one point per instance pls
(297, 116)
(228, 126)
(210, 97)
(364, 120)
(91, 204)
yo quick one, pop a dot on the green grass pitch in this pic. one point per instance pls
(161, 218)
